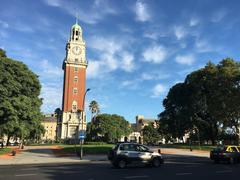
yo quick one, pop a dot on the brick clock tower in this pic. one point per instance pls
(73, 118)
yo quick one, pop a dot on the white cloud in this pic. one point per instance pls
(91, 14)
(155, 54)
(113, 55)
(107, 44)
(142, 12)
(94, 69)
(179, 32)
(4, 24)
(48, 69)
(55, 3)
(185, 59)
(154, 76)
(52, 97)
(203, 46)
(158, 90)
(127, 62)
(218, 15)
(194, 21)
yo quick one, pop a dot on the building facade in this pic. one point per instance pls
(73, 118)
(49, 123)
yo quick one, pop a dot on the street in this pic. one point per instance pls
(175, 167)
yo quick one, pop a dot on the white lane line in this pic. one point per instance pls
(183, 174)
(25, 175)
(135, 177)
(29, 169)
(224, 171)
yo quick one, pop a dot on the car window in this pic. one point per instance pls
(128, 147)
(234, 149)
(142, 148)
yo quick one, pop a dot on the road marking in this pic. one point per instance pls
(183, 174)
(224, 171)
(135, 177)
(29, 169)
(26, 175)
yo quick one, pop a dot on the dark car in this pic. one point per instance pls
(230, 154)
(126, 153)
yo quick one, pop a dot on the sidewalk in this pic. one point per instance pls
(44, 154)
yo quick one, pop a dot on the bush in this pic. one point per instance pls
(95, 143)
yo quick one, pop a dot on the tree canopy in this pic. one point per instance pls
(150, 134)
(207, 102)
(109, 128)
(20, 113)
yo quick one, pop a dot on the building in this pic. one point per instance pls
(141, 122)
(49, 123)
(137, 134)
(73, 118)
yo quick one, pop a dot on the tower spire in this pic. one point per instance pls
(77, 17)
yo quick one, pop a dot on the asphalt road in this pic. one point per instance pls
(175, 167)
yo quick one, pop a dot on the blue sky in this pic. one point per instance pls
(136, 49)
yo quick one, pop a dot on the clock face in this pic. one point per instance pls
(76, 50)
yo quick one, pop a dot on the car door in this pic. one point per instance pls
(129, 151)
(144, 153)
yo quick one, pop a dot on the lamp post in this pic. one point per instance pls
(83, 117)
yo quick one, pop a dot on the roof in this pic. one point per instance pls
(76, 26)
(49, 118)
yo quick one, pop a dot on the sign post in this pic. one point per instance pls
(82, 136)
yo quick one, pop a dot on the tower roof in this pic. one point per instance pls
(76, 26)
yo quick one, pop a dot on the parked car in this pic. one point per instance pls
(230, 154)
(126, 153)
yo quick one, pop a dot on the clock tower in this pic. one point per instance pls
(73, 118)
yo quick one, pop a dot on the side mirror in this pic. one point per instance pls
(159, 151)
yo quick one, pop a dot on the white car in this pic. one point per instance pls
(126, 153)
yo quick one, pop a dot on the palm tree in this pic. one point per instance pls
(94, 108)
(58, 113)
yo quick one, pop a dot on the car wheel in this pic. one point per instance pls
(156, 162)
(122, 164)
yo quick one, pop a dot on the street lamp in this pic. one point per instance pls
(83, 117)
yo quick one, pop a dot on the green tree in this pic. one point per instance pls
(110, 128)
(207, 102)
(94, 108)
(150, 134)
(20, 104)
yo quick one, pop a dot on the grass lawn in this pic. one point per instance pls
(186, 146)
(87, 149)
(5, 150)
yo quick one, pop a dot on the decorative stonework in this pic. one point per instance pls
(73, 116)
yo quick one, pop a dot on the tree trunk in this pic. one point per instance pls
(8, 139)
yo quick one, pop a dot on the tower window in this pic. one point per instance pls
(76, 32)
(76, 69)
(75, 90)
(75, 79)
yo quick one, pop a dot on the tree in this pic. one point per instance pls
(208, 102)
(150, 134)
(58, 113)
(20, 104)
(110, 128)
(94, 108)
